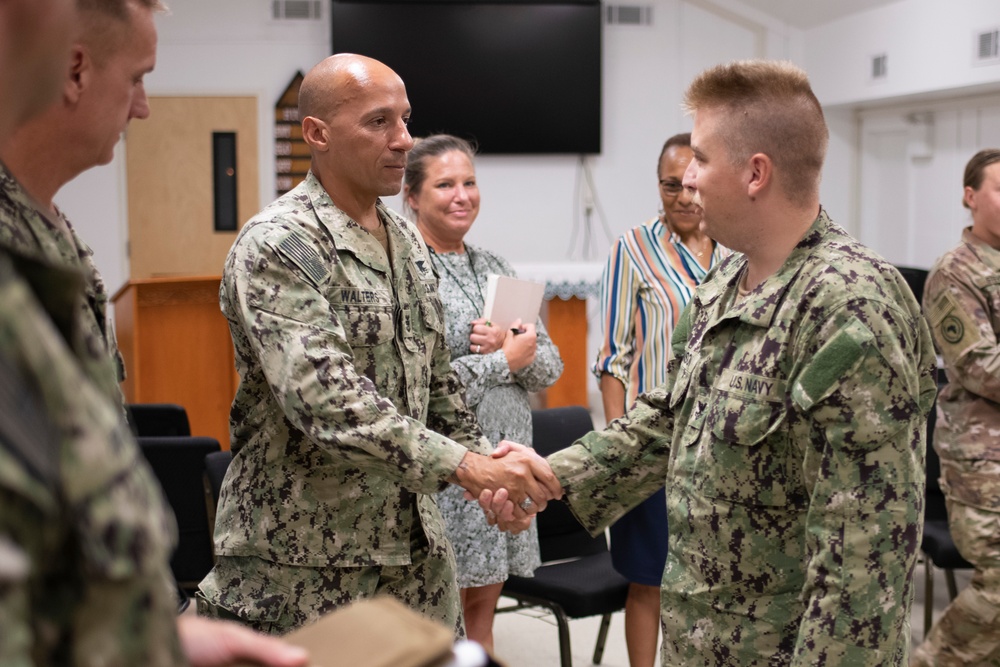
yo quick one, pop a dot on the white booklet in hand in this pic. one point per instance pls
(509, 299)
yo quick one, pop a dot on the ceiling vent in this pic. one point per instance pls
(880, 64)
(296, 9)
(988, 45)
(629, 15)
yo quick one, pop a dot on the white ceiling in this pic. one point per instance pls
(811, 13)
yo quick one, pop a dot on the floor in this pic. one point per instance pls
(530, 638)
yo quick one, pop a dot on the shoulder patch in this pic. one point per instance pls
(950, 323)
(304, 256)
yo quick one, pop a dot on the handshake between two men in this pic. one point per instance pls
(512, 485)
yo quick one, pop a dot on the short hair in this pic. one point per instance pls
(682, 139)
(102, 20)
(118, 8)
(771, 109)
(432, 146)
(975, 169)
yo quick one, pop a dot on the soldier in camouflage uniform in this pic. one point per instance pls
(83, 558)
(84, 532)
(85, 535)
(104, 91)
(791, 427)
(962, 303)
(348, 417)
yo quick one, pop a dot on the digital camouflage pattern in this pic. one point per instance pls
(347, 416)
(791, 434)
(28, 231)
(962, 302)
(85, 534)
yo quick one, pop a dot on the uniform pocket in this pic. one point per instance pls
(366, 326)
(249, 598)
(741, 454)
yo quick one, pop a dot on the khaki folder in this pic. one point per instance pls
(380, 632)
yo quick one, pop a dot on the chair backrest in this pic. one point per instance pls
(216, 465)
(934, 504)
(158, 419)
(915, 279)
(179, 465)
(560, 535)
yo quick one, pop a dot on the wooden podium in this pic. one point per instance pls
(177, 349)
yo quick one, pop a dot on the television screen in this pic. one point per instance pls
(513, 77)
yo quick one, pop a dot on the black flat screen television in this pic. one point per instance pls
(515, 77)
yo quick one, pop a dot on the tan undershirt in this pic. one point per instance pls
(381, 236)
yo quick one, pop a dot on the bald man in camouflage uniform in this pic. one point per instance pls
(348, 417)
(791, 427)
(962, 303)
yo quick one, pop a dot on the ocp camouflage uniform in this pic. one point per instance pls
(962, 302)
(347, 416)
(28, 231)
(791, 433)
(85, 534)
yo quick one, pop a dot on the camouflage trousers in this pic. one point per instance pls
(968, 633)
(275, 598)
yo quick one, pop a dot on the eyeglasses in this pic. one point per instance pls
(672, 188)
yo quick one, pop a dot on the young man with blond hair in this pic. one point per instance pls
(791, 427)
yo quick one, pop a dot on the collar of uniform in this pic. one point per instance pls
(348, 235)
(759, 307)
(987, 253)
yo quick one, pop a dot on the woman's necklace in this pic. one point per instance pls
(441, 264)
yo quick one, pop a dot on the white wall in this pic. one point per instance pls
(531, 205)
(929, 45)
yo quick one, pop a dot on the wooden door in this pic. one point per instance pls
(171, 209)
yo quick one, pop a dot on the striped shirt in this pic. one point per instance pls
(649, 278)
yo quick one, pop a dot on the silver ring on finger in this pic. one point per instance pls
(526, 503)
(478, 348)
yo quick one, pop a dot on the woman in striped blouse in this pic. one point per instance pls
(651, 273)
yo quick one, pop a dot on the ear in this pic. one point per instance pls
(969, 197)
(80, 69)
(316, 133)
(761, 171)
(410, 198)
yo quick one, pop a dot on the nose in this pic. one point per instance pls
(685, 196)
(401, 140)
(461, 193)
(140, 104)
(690, 176)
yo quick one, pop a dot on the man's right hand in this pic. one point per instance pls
(527, 477)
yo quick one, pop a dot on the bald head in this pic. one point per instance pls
(354, 114)
(338, 79)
